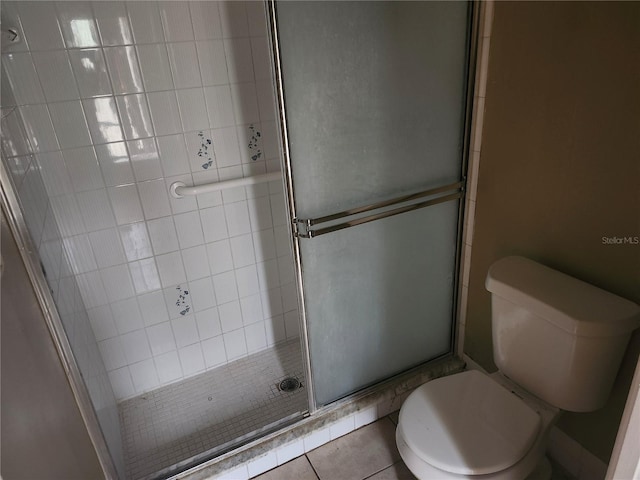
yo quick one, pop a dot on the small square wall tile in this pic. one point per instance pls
(145, 275)
(178, 300)
(103, 120)
(161, 338)
(114, 163)
(290, 451)
(342, 427)
(256, 337)
(171, 269)
(176, 21)
(185, 331)
(225, 141)
(164, 112)
(242, 250)
(230, 316)
(135, 346)
(163, 235)
(219, 255)
(135, 240)
(247, 281)
(239, 60)
(208, 322)
(121, 383)
(134, 112)
(233, 17)
(189, 229)
(117, 283)
(22, 77)
(274, 327)
(145, 159)
(268, 275)
(184, 64)
(56, 75)
(122, 63)
(191, 359)
(235, 344)
(195, 262)
(90, 71)
(214, 224)
(102, 322)
(153, 308)
(262, 464)
(54, 173)
(40, 25)
(39, 128)
(144, 375)
(145, 22)
(83, 168)
(365, 416)
(154, 64)
(70, 15)
(214, 352)
(126, 204)
(225, 287)
(173, 155)
(127, 315)
(70, 124)
(168, 367)
(316, 439)
(113, 24)
(193, 109)
(245, 103)
(155, 199)
(112, 353)
(80, 253)
(238, 473)
(95, 210)
(213, 64)
(219, 106)
(205, 18)
(202, 294)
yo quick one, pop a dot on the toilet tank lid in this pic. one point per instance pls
(571, 304)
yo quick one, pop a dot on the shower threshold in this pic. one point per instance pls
(171, 428)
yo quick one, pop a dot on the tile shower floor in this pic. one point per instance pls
(209, 411)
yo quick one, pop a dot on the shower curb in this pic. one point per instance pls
(387, 396)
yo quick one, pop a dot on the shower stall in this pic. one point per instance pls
(318, 255)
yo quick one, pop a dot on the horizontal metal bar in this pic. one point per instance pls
(386, 203)
(378, 216)
(180, 189)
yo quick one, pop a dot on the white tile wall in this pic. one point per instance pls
(120, 99)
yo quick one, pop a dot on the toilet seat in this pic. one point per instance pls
(467, 424)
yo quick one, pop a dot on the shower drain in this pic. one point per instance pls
(289, 384)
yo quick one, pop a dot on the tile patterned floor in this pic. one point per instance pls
(210, 411)
(369, 453)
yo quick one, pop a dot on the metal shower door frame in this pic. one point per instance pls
(301, 228)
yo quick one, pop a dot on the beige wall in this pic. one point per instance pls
(560, 165)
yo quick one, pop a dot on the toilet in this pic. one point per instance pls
(558, 343)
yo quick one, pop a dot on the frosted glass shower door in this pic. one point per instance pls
(374, 96)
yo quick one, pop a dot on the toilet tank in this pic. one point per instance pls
(556, 336)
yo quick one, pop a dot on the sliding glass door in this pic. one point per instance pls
(374, 97)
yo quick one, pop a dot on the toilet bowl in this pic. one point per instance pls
(472, 425)
(557, 343)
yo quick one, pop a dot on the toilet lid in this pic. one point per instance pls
(468, 424)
